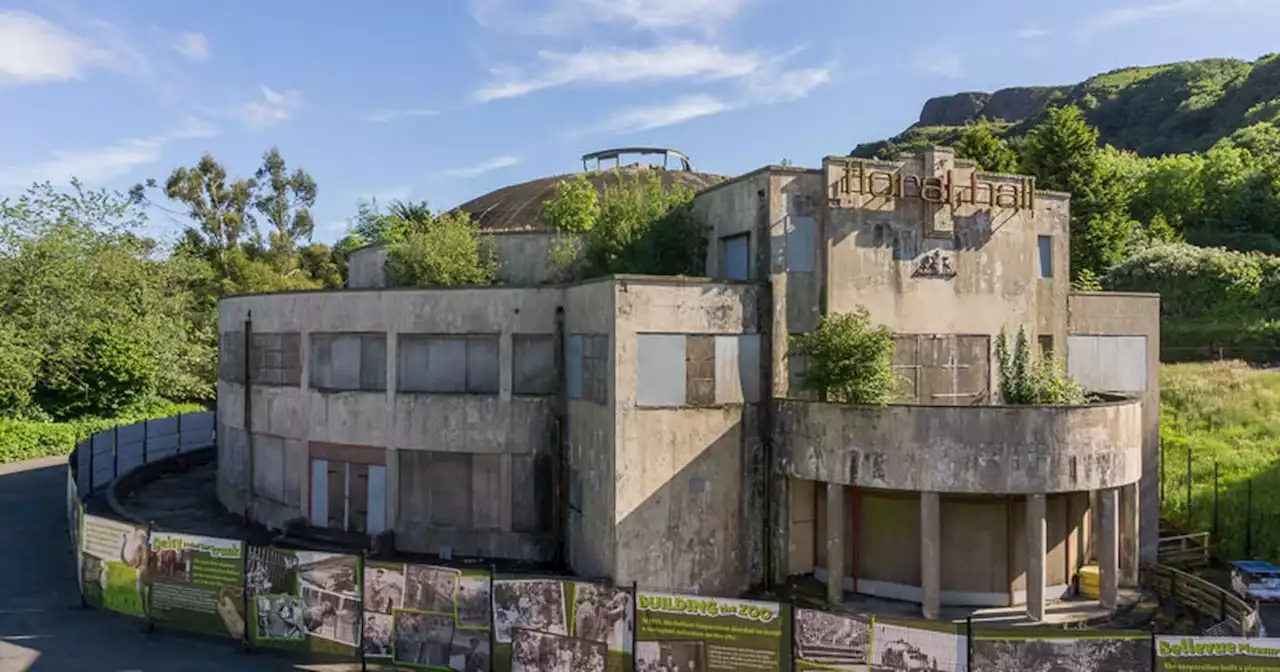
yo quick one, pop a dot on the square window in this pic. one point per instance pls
(1044, 245)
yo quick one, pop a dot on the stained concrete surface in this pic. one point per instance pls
(42, 625)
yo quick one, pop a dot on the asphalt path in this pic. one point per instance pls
(43, 628)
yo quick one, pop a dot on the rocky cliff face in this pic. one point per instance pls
(953, 110)
(1014, 104)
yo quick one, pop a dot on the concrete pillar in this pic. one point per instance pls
(1130, 540)
(835, 543)
(1109, 546)
(391, 429)
(1035, 557)
(930, 554)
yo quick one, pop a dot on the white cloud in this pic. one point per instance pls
(678, 111)
(35, 50)
(101, 164)
(275, 107)
(787, 86)
(1122, 16)
(1031, 32)
(944, 63)
(482, 167)
(618, 66)
(384, 116)
(556, 17)
(192, 46)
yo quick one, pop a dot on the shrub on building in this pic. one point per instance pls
(1026, 379)
(448, 251)
(848, 359)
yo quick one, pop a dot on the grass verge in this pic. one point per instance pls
(29, 439)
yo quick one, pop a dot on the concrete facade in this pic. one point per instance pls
(523, 260)
(654, 430)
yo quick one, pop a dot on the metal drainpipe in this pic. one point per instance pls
(560, 447)
(248, 413)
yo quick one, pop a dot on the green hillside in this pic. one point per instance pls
(1151, 110)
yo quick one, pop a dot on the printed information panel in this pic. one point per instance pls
(694, 633)
(304, 600)
(197, 583)
(1094, 651)
(112, 556)
(830, 641)
(426, 616)
(914, 644)
(569, 626)
(1216, 654)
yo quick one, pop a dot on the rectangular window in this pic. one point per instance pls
(700, 370)
(348, 487)
(735, 257)
(231, 356)
(276, 359)
(660, 370)
(533, 364)
(349, 362)
(461, 364)
(595, 368)
(1046, 346)
(1044, 245)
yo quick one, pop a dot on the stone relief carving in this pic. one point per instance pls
(936, 264)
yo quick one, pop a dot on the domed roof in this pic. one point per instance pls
(519, 206)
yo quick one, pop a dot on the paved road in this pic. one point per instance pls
(42, 626)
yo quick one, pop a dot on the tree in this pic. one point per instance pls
(450, 252)
(220, 210)
(1025, 379)
(991, 153)
(848, 360)
(286, 204)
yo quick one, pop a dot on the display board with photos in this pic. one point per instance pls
(112, 558)
(197, 583)
(700, 634)
(1045, 649)
(916, 644)
(1216, 654)
(552, 625)
(426, 616)
(305, 601)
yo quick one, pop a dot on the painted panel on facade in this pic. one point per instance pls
(1108, 363)
(573, 365)
(737, 369)
(801, 235)
(377, 522)
(660, 370)
(735, 257)
(533, 364)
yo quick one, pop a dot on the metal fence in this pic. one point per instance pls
(101, 458)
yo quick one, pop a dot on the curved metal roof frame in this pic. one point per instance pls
(617, 152)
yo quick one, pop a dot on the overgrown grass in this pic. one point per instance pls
(1226, 413)
(28, 439)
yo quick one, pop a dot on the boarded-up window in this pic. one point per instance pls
(660, 370)
(801, 234)
(735, 257)
(943, 369)
(349, 362)
(1046, 346)
(700, 370)
(231, 356)
(1108, 363)
(533, 367)
(737, 369)
(1044, 248)
(573, 365)
(461, 364)
(276, 359)
(531, 500)
(588, 367)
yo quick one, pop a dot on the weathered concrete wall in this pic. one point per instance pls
(965, 449)
(592, 531)
(1125, 314)
(490, 451)
(731, 209)
(689, 500)
(523, 260)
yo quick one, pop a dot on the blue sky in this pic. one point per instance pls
(444, 100)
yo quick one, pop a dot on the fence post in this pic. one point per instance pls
(178, 443)
(635, 628)
(1188, 487)
(1222, 605)
(493, 620)
(146, 606)
(146, 433)
(91, 461)
(364, 558)
(1161, 459)
(1248, 518)
(115, 452)
(250, 619)
(1215, 502)
(968, 642)
(1154, 656)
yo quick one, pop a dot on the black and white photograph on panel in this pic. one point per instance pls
(430, 588)
(279, 617)
(270, 571)
(383, 588)
(832, 641)
(471, 651)
(329, 572)
(329, 615)
(544, 652)
(685, 656)
(423, 639)
(900, 647)
(1111, 652)
(603, 613)
(377, 635)
(473, 601)
(532, 604)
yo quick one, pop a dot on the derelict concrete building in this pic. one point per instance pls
(651, 429)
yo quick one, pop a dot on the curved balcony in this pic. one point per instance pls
(962, 449)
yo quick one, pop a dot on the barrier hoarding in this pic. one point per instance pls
(304, 601)
(1020, 649)
(197, 583)
(549, 624)
(708, 633)
(112, 556)
(426, 616)
(914, 644)
(831, 641)
(1216, 654)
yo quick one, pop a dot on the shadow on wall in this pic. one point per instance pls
(43, 628)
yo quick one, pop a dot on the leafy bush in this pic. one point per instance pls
(1025, 379)
(29, 439)
(448, 252)
(848, 360)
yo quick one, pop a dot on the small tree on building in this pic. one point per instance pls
(848, 359)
